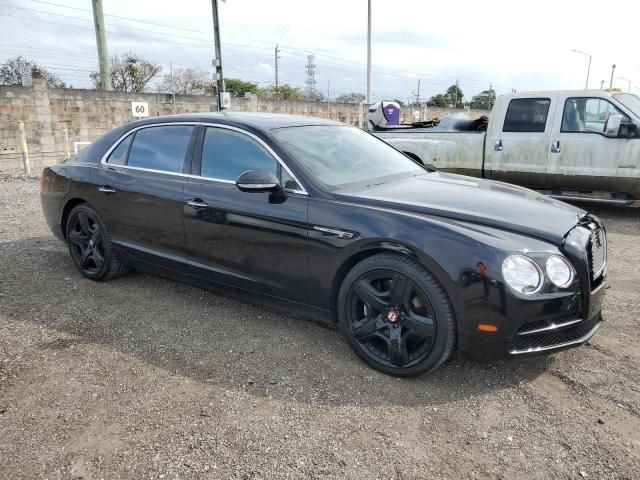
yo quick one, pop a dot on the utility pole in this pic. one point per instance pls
(369, 52)
(455, 103)
(490, 96)
(101, 40)
(277, 56)
(613, 69)
(173, 89)
(218, 51)
(418, 94)
(328, 97)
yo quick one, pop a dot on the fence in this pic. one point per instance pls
(55, 120)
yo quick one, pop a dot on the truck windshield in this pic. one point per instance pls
(342, 156)
(631, 101)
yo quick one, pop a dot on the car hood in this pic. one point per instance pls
(475, 200)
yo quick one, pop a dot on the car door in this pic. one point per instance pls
(139, 188)
(581, 157)
(518, 152)
(254, 241)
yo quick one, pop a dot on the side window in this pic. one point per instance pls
(583, 114)
(527, 115)
(119, 155)
(226, 154)
(160, 148)
(287, 180)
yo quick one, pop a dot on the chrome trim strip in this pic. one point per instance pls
(337, 233)
(582, 339)
(553, 326)
(103, 160)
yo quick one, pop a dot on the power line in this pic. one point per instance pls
(288, 47)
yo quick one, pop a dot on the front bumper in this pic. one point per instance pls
(544, 324)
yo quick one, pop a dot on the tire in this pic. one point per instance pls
(89, 245)
(396, 316)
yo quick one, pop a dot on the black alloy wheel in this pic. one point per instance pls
(88, 241)
(396, 316)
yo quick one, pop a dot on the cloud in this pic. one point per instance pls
(265, 68)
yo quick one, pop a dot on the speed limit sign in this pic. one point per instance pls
(140, 109)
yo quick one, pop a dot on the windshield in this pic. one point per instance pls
(340, 156)
(631, 101)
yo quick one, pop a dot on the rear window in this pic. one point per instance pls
(527, 115)
(160, 148)
(119, 155)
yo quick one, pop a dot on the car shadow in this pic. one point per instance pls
(219, 340)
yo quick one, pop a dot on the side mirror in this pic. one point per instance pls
(258, 181)
(612, 126)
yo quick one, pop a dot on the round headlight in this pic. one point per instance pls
(559, 271)
(522, 274)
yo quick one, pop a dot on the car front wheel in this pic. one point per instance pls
(396, 316)
(90, 245)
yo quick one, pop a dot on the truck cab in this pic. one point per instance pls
(564, 141)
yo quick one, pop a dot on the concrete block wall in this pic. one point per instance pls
(87, 114)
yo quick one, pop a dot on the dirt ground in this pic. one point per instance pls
(147, 378)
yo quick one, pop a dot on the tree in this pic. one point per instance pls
(238, 87)
(485, 100)
(399, 102)
(351, 98)
(452, 98)
(455, 96)
(10, 73)
(129, 73)
(186, 81)
(440, 101)
(285, 92)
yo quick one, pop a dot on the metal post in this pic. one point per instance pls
(101, 40)
(218, 52)
(369, 53)
(586, 85)
(628, 83)
(67, 145)
(277, 51)
(23, 147)
(613, 69)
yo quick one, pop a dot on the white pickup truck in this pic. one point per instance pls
(567, 142)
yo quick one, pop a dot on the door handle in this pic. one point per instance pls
(497, 146)
(555, 146)
(197, 203)
(106, 189)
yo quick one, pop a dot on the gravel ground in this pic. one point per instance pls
(143, 378)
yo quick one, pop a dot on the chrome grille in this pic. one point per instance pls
(597, 253)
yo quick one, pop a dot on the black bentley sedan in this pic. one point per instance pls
(413, 265)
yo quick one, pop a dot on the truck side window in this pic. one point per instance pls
(587, 115)
(526, 115)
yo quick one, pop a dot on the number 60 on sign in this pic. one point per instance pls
(140, 109)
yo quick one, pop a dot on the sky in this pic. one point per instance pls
(509, 45)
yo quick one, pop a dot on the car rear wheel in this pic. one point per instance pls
(396, 316)
(90, 245)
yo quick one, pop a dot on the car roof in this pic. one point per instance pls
(256, 120)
